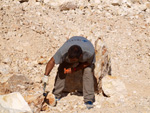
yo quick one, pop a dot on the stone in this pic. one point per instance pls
(147, 5)
(15, 83)
(7, 60)
(148, 20)
(21, 1)
(116, 2)
(13, 103)
(5, 78)
(67, 6)
(4, 69)
(35, 101)
(103, 62)
(113, 86)
(57, 3)
(42, 60)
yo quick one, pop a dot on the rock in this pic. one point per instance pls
(148, 20)
(4, 69)
(67, 6)
(13, 103)
(57, 3)
(147, 5)
(103, 63)
(5, 78)
(21, 1)
(15, 83)
(7, 60)
(113, 86)
(42, 60)
(35, 101)
(116, 2)
(49, 101)
(46, 1)
(38, 103)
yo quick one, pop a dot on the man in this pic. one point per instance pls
(80, 51)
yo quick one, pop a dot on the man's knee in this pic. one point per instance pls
(87, 71)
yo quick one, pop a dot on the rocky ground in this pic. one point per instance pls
(32, 31)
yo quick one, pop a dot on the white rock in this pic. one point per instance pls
(46, 1)
(116, 2)
(148, 20)
(13, 103)
(95, 1)
(4, 69)
(7, 60)
(113, 86)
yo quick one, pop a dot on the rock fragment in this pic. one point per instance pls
(13, 103)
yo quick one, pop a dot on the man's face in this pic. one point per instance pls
(73, 60)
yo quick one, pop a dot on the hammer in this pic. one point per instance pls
(44, 93)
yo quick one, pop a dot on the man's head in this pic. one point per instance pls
(74, 53)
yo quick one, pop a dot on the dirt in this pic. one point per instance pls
(30, 34)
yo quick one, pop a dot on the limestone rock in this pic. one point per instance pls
(35, 101)
(116, 2)
(113, 86)
(67, 6)
(42, 60)
(4, 69)
(7, 60)
(57, 3)
(103, 63)
(13, 103)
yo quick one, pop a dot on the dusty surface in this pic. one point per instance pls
(31, 33)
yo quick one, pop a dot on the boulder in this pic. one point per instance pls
(115, 88)
(13, 103)
(103, 63)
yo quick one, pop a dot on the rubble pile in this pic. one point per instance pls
(31, 31)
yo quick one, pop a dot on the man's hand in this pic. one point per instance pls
(67, 71)
(45, 79)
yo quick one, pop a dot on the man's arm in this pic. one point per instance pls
(49, 66)
(79, 67)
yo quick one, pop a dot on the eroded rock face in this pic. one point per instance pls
(103, 62)
(16, 83)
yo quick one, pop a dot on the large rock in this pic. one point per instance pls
(103, 62)
(13, 103)
(114, 86)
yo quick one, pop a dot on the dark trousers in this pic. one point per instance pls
(87, 81)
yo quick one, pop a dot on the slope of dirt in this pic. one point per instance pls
(31, 33)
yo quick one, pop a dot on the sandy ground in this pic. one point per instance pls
(31, 34)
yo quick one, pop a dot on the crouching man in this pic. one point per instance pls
(76, 50)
